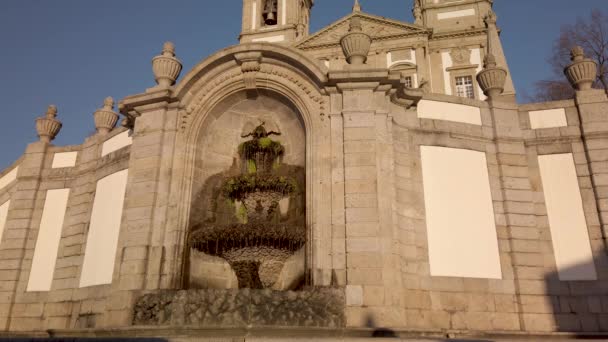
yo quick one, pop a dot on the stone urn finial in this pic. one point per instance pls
(490, 19)
(492, 78)
(48, 126)
(105, 117)
(166, 67)
(582, 72)
(356, 43)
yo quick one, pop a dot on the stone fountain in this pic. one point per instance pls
(256, 222)
(266, 233)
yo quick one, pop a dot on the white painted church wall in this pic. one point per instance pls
(3, 216)
(449, 112)
(459, 214)
(549, 118)
(47, 243)
(102, 240)
(64, 159)
(9, 177)
(567, 222)
(116, 143)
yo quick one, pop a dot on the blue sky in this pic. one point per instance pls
(74, 53)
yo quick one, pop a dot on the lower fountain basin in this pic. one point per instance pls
(256, 252)
(317, 307)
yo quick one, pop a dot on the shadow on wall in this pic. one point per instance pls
(579, 307)
(378, 332)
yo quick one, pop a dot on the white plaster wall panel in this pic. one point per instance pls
(476, 60)
(102, 239)
(283, 12)
(3, 216)
(254, 14)
(116, 143)
(65, 159)
(446, 60)
(47, 243)
(273, 39)
(549, 118)
(459, 214)
(564, 203)
(456, 14)
(8, 178)
(449, 112)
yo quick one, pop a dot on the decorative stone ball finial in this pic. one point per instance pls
(492, 78)
(356, 43)
(105, 117)
(166, 67)
(582, 72)
(48, 126)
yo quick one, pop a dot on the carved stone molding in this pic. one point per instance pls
(461, 56)
(250, 65)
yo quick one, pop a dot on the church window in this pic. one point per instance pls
(408, 82)
(464, 87)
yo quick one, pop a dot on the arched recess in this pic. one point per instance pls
(280, 77)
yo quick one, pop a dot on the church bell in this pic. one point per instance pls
(270, 12)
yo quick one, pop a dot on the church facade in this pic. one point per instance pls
(374, 177)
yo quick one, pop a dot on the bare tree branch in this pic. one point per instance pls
(591, 33)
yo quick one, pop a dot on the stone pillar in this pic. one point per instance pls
(521, 242)
(142, 237)
(372, 279)
(593, 115)
(17, 247)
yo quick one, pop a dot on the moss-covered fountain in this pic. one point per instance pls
(266, 225)
(254, 219)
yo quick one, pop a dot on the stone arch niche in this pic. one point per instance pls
(247, 222)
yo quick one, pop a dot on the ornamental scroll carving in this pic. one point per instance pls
(461, 56)
(250, 65)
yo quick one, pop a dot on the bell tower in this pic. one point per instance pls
(275, 21)
(451, 15)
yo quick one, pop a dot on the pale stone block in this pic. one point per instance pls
(361, 215)
(360, 133)
(361, 201)
(359, 159)
(536, 304)
(354, 295)
(373, 295)
(359, 146)
(355, 245)
(360, 173)
(364, 260)
(364, 276)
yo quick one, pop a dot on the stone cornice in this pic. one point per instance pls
(132, 105)
(415, 30)
(446, 5)
(457, 34)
